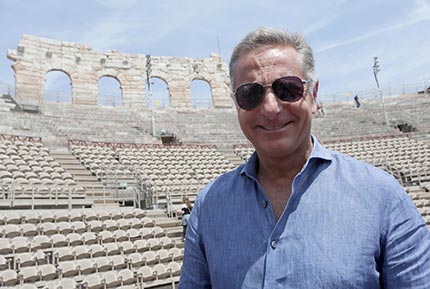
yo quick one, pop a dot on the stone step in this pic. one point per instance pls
(156, 213)
(62, 153)
(69, 161)
(94, 189)
(107, 205)
(86, 178)
(167, 222)
(174, 232)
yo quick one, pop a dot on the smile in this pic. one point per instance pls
(274, 127)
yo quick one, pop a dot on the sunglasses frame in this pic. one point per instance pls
(303, 82)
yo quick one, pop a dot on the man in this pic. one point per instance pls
(357, 101)
(298, 215)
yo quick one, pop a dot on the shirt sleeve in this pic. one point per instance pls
(194, 272)
(406, 253)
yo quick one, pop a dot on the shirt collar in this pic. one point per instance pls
(318, 152)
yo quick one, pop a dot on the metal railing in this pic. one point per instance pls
(374, 93)
(110, 99)
(42, 195)
(58, 96)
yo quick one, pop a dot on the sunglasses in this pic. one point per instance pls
(288, 88)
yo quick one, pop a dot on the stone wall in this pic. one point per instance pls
(35, 57)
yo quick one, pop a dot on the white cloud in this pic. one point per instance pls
(422, 9)
(136, 23)
(105, 35)
(419, 13)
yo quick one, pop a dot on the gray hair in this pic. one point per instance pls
(273, 37)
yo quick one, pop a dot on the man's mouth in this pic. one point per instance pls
(277, 127)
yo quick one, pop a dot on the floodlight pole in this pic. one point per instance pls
(148, 82)
(375, 74)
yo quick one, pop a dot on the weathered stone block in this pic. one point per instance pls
(35, 56)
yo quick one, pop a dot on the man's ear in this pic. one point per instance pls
(314, 95)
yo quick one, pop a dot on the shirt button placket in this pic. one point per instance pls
(273, 244)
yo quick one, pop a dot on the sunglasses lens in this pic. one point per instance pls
(249, 96)
(289, 89)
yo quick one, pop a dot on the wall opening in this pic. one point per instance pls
(159, 95)
(201, 94)
(109, 91)
(58, 87)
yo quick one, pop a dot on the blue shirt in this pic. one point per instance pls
(346, 225)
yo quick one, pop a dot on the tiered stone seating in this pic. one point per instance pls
(102, 162)
(7, 102)
(29, 172)
(218, 127)
(167, 173)
(421, 198)
(406, 159)
(101, 124)
(244, 151)
(344, 122)
(59, 122)
(174, 171)
(86, 249)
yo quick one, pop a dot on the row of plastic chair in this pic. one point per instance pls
(27, 163)
(86, 215)
(21, 244)
(20, 144)
(110, 249)
(244, 151)
(98, 259)
(48, 228)
(107, 279)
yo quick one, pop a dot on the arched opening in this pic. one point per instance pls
(58, 87)
(157, 95)
(201, 94)
(109, 91)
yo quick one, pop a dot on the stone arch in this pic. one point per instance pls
(109, 91)
(110, 72)
(120, 76)
(159, 96)
(201, 93)
(57, 86)
(35, 55)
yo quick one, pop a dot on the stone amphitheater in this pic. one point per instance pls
(89, 195)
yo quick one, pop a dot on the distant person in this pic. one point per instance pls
(320, 109)
(357, 101)
(185, 212)
(298, 215)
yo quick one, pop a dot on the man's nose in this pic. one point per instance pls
(271, 105)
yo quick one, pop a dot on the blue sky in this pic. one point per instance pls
(345, 34)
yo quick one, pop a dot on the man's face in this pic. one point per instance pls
(275, 128)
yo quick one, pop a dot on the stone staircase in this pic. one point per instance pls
(227, 151)
(7, 103)
(171, 225)
(93, 186)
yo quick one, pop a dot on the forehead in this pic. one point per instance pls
(266, 64)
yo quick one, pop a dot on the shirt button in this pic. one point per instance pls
(273, 244)
(264, 204)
